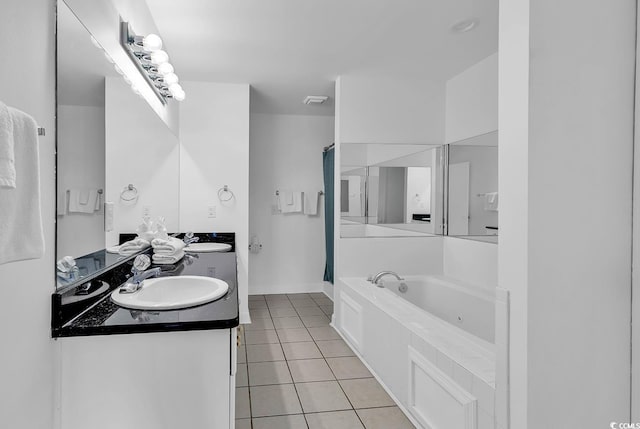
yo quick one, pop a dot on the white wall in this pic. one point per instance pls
(563, 92)
(286, 153)
(472, 101)
(142, 151)
(635, 312)
(81, 165)
(382, 110)
(214, 151)
(471, 261)
(26, 360)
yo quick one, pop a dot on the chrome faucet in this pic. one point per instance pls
(189, 238)
(378, 277)
(135, 283)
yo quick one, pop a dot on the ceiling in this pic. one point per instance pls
(288, 49)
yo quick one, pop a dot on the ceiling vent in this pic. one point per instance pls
(315, 99)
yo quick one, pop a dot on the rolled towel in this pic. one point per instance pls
(167, 247)
(162, 259)
(133, 246)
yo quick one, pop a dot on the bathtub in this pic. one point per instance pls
(431, 346)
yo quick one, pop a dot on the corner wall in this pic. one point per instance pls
(27, 357)
(286, 154)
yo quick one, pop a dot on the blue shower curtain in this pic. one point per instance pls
(328, 160)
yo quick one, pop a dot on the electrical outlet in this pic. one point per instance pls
(211, 211)
(146, 211)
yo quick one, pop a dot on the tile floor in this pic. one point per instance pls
(295, 372)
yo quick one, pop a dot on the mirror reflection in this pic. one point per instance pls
(390, 190)
(105, 131)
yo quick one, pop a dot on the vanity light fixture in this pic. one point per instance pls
(153, 63)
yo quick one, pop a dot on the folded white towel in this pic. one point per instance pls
(21, 233)
(7, 151)
(491, 201)
(83, 201)
(295, 206)
(161, 259)
(133, 246)
(167, 247)
(311, 203)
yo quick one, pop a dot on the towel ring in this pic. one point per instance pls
(129, 194)
(225, 194)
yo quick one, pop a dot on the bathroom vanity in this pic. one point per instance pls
(147, 369)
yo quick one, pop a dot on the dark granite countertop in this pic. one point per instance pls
(87, 309)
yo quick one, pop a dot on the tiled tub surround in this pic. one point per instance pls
(441, 375)
(295, 372)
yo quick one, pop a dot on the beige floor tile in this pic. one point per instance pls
(348, 367)
(279, 304)
(263, 373)
(298, 296)
(287, 322)
(259, 325)
(327, 309)
(384, 418)
(243, 423)
(293, 335)
(310, 311)
(322, 396)
(242, 380)
(323, 301)
(274, 400)
(317, 295)
(304, 303)
(334, 348)
(295, 421)
(264, 353)
(257, 304)
(307, 370)
(259, 313)
(283, 312)
(243, 410)
(324, 333)
(366, 393)
(254, 298)
(305, 350)
(261, 337)
(335, 420)
(315, 321)
(242, 354)
(276, 296)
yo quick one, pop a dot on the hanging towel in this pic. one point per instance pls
(133, 246)
(295, 206)
(491, 201)
(83, 201)
(21, 233)
(7, 151)
(311, 203)
(161, 259)
(167, 247)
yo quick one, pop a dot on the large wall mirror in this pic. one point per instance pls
(115, 155)
(391, 190)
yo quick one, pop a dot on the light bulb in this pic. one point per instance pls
(179, 96)
(159, 57)
(165, 68)
(175, 89)
(152, 43)
(170, 79)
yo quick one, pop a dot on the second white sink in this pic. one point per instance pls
(207, 247)
(170, 293)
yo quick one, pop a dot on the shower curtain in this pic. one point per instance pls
(328, 160)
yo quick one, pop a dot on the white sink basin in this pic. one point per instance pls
(207, 247)
(167, 293)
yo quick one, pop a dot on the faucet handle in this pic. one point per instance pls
(189, 238)
(141, 263)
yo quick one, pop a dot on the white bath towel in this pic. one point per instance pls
(311, 203)
(133, 246)
(83, 201)
(167, 247)
(491, 201)
(161, 259)
(7, 151)
(296, 201)
(21, 233)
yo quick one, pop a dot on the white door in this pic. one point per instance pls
(459, 199)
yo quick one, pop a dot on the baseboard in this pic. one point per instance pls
(327, 288)
(245, 317)
(287, 288)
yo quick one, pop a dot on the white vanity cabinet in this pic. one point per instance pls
(162, 380)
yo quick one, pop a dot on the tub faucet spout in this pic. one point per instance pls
(378, 277)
